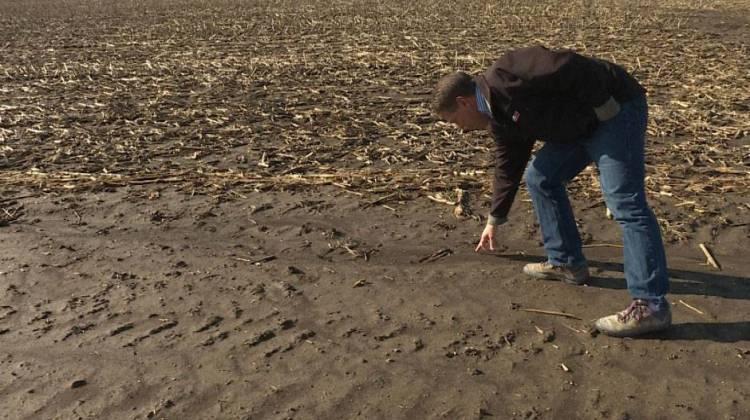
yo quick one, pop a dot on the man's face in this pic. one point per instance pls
(466, 115)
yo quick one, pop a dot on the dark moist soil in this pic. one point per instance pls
(116, 305)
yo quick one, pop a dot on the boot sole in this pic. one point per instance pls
(550, 276)
(636, 331)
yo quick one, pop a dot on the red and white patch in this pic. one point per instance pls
(516, 116)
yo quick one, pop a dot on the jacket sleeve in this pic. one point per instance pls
(565, 72)
(511, 157)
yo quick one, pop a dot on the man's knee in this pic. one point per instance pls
(535, 180)
(625, 207)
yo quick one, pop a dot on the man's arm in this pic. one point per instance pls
(511, 157)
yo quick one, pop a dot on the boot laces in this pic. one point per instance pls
(637, 310)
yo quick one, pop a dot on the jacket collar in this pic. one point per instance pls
(494, 97)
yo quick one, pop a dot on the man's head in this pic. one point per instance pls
(454, 100)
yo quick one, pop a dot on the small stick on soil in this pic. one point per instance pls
(350, 250)
(238, 194)
(380, 200)
(710, 257)
(437, 255)
(10, 199)
(692, 307)
(573, 329)
(441, 200)
(258, 261)
(346, 189)
(556, 313)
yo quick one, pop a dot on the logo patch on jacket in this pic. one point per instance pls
(516, 116)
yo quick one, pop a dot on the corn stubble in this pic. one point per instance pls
(225, 97)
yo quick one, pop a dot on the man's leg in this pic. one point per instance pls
(617, 148)
(552, 167)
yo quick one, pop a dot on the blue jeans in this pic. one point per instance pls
(616, 147)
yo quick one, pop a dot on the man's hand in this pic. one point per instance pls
(487, 239)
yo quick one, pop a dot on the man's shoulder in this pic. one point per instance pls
(532, 49)
(523, 53)
(529, 62)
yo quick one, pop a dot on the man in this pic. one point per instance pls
(585, 110)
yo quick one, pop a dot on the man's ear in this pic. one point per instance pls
(463, 101)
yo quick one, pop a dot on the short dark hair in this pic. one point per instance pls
(448, 88)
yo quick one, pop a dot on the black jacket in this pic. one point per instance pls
(555, 96)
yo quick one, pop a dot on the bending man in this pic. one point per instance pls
(585, 110)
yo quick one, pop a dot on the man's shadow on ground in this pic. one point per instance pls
(681, 282)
